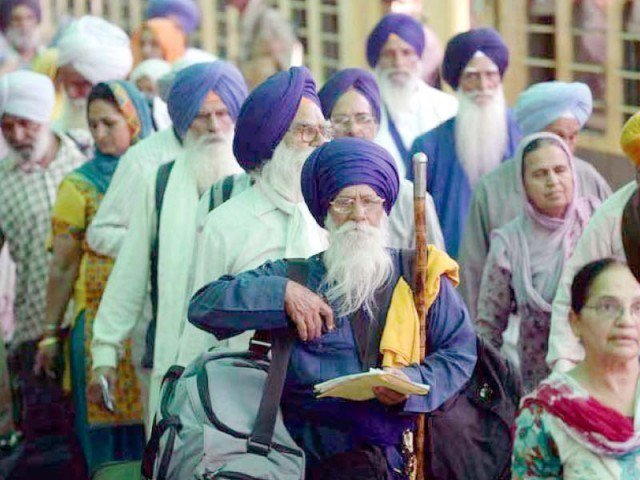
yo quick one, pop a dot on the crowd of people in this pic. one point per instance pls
(153, 199)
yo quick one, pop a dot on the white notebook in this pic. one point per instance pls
(359, 386)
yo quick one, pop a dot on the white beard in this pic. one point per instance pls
(210, 158)
(74, 114)
(28, 158)
(398, 92)
(357, 264)
(282, 172)
(481, 133)
(23, 41)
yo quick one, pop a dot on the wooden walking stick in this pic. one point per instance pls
(419, 282)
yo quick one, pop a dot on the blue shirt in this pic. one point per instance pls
(447, 182)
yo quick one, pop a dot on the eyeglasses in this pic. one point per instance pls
(308, 132)
(611, 309)
(343, 122)
(344, 206)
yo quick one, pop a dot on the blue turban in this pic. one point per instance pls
(356, 78)
(267, 114)
(464, 46)
(544, 103)
(7, 6)
(345, 162)
(404, 26)
(186, 11)
(194, 83)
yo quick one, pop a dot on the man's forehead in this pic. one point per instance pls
(308, 112)
(394, 41)
(480, 63)
(350, 101)
(211, 100)
(355, 190)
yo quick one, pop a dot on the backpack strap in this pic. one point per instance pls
(162, 179)
(259, 442)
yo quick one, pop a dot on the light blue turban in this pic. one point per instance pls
(543, 103)
(194, 83)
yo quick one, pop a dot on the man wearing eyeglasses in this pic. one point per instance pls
(351, 100)
(279, 125)
(481, 136)
(345, 320)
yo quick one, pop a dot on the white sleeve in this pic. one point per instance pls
(210, 263)
(124, 297)
(108, 228)
(596, 242)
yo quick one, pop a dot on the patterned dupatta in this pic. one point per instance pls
(597, 427)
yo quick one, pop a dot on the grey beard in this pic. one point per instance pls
(481, 134)
(210, 159)
(74, 114)
(282, 172)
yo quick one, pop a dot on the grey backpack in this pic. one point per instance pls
(219, 418)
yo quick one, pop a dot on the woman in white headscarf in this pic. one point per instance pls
(527, 254)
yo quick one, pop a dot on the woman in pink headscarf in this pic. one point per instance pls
(526, 255)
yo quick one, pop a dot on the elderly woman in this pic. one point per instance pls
(118, 117)
(586, 423)
(527, 254)
(159, 38)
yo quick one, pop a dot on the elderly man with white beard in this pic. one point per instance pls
(348, 318)
(481, 136)
(410, 106)
(108, 229)
(39, 158)
(90, 50)
(279, 125)
(159, 243)
(351, 101)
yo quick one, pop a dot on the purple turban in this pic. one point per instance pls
(356, 78)
(464, 46)
(267, 114)
(345, 162)
(6, 6)
(186, 12)
(194, 83)
(404, 26)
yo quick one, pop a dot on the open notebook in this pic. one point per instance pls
(359, 386)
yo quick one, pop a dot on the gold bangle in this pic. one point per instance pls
(45, 342)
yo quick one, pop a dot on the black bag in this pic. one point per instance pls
(470, 434)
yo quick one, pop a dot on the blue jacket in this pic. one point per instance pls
(324, 427)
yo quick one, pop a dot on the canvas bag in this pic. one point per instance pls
(219, 418)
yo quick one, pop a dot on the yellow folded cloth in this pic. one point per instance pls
(400, 343)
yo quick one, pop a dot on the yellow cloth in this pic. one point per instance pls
(400, 343)
(47, 64)
(630, 139)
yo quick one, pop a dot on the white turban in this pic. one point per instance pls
(153, 68)
(100, 51)
(27, 95)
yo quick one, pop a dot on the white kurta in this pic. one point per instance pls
(106, 232)
(127, 288)
(601, 238)
(256, 226)
(430, 108)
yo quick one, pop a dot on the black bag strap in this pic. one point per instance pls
(162, 179)
(259, 441)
